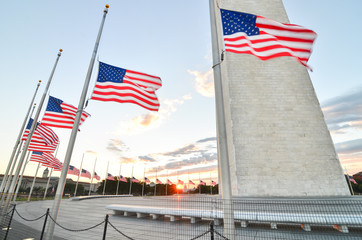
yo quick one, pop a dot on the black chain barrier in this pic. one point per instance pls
(220, 235)
(76, 230)
(29, 220)
(201, 235)
(211, 230)
(120, 231)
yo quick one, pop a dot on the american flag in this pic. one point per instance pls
(73, 170)
(351, 179)
(158, 181)
(122, 179)
(169, 182)
(126, 86)
(46, 159)
(42, 134)
(96, 176)
(265, 38)
(191, 182)
(60, 114)
(135, 180)
(110, 177)
(213, 183)
(202, 183)
(86, 174)
(147, 180)
(180, 182)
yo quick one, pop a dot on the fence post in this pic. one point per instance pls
(45, 223)
(11, 218)
(212, 230)
(105, 228)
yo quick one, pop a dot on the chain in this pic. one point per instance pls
(76, 230)
(203, 234)
(220, 235)
(119, 231)
(29, 220)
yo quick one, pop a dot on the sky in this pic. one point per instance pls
(172, 40)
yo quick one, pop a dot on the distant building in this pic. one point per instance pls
(42, 182)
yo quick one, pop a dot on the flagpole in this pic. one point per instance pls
(18, 140)
(46, 188)
(144, 179)
(94, 170)
(155, 183)
(105, 180)
(8, 176)
(62, 179)
(199, 184)
(130, 185)
(80, 172)
(210, 184)
(21, 177)
(119, 176)
(166, 181)
(34, 179)
(51, 171)
(349, 181)
(27, 142)
(223, 159)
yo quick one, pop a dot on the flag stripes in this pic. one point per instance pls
(60, 114)
(265, 38)
(116, 84)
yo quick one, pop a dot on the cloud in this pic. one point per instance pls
(181, 151)
(115, 145)
(152, 120)
(349, 147)
(128, 160)
(204, 82)
(213, 139)
(146, 159)
(344, 112)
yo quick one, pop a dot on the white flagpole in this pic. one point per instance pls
(166, 181)
(46, 188)
(119, 175)
(32, 185)
(130, 184)
(62, 179)
(199, 184)
(188, 183)
(80, 172)
(155, 183)
(18, 140)
(223, 156)
(21, 177)
(94, 170)
(9, 175)
(27, 142)
(210, 184)
(144, 179)
(349, 181)
(105, 180)
(51, 171)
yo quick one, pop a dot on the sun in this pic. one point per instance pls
(179, 186)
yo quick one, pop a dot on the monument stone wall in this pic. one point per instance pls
(278, 140)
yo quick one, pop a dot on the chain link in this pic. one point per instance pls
(76, 230)
(29, 220)
(203, 234)
(220, 235)
(120, 231)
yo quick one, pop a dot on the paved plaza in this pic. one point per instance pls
(78, 215)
